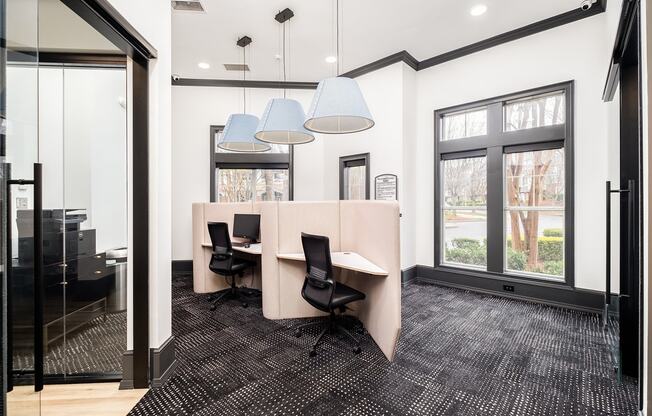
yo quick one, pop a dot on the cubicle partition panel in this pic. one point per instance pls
(371, 229)
(320, 218)
(204, 280)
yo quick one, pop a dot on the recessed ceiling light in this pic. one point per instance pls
(331, 59)
(203, 65)
(478, 10)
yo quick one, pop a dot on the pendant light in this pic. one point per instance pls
(238, 134)
(282, 121)
(338, 106)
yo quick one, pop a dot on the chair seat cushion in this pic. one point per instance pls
(345, 294)
(237, 266)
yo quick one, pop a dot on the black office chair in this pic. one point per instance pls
(323, 292)
(224, 263)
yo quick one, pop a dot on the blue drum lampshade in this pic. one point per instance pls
(282, 123)
(338, 107)
(238, 135)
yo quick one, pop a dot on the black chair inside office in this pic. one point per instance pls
(224, 263)
(322, 291)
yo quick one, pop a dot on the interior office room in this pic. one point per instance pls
(334, 207)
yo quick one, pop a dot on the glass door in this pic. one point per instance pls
(19, 116)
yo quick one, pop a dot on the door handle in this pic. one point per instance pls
(38, 273)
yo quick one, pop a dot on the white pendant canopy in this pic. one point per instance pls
(238, 135)
(282, 123)
(338, 107)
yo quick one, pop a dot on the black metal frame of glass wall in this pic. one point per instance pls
(494, 145)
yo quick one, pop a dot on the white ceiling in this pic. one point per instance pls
(370, 30)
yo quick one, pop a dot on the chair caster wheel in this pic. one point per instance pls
(213, 307)
(357, 350)
(245, 305)
(312, 353)
(297, 333)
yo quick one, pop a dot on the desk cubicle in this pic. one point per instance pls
(365, 244)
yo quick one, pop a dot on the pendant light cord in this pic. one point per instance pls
(284, 59)
(337, 34)
(244, 79)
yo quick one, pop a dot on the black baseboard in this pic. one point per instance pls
(408, 275)
(181, 266)
(127, 382)
(534, 291)
(162, 363)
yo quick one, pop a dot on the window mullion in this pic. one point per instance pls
(495, 218)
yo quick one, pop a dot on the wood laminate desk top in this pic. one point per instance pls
(256, 249)
(344, 260)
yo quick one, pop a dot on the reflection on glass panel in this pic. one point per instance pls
(465, 237)
(538, 247)
(539, 111)
(534, 212)
(234, 185)
(355, 182)
(276, 148)
(272, 185)
(469, 123)
(465, 182)
(464, 213)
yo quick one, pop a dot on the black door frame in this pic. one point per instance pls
(102, 16)
(625, 70)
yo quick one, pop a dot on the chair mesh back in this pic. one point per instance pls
(319, 268)
(220, 238)
(221, 241)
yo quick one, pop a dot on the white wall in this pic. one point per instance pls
(579, 51)
(152, 19)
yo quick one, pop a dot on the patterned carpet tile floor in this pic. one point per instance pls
(460, 353)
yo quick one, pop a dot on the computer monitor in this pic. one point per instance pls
(247, 226)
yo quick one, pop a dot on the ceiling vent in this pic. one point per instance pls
(188, 6)
(236, 67)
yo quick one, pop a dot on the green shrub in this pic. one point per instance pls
(516, 260)
(467, 251)
(466, 243)
(553, 232)
(555, 268)
(551, 249)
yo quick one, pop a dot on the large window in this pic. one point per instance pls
(503, 189)
(242, 177)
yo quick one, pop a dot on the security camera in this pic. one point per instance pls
(586, 4)
(176, 77)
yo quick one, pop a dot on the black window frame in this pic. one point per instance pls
(495, 144)
(354, 160)
(248, 161)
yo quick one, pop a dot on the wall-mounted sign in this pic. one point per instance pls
(386, 187)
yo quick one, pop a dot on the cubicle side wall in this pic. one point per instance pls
(270, 265)
(205, 281)
(372, 229)
(321, 218)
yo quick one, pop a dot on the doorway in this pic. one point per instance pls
(624, 294)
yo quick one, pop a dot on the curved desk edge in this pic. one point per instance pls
(344, 260)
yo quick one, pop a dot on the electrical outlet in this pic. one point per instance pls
(508, 288)
(21, 203)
